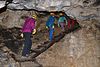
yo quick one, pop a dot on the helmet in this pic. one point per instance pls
(34, 16)
(52, 13)
(61, 14)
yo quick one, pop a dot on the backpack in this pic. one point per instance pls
(72, 24)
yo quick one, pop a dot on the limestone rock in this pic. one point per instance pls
(77, 8)
(2, 4)
(79, 49)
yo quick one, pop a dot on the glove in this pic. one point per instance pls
(34, 31)
(53, 26)
(22, 35)
(58, 25)
(46, 27)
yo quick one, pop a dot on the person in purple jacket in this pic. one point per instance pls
(28, 29)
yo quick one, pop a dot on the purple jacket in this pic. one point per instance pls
(29, 25)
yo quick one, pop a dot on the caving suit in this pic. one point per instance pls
(27, 29)
(50, 25)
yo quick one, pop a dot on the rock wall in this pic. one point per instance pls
(78, 49)
(11, 18)
(76, 8)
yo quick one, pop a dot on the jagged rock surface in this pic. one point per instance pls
(2, 4)
(72, 7)
(77, 49)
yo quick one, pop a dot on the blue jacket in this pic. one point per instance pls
(50, 21)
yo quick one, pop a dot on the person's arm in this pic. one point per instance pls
(65, 20)
(59, 22)
(21, 30)
(33, 25)
(47, 22)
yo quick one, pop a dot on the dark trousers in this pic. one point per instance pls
(27, 44)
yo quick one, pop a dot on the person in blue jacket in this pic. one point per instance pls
(50, 25)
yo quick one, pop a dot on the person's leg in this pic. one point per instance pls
(62, 26)
(27, 44)
(65, 26)
(51, 34)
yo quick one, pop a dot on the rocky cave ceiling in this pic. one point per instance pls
(46, 5)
